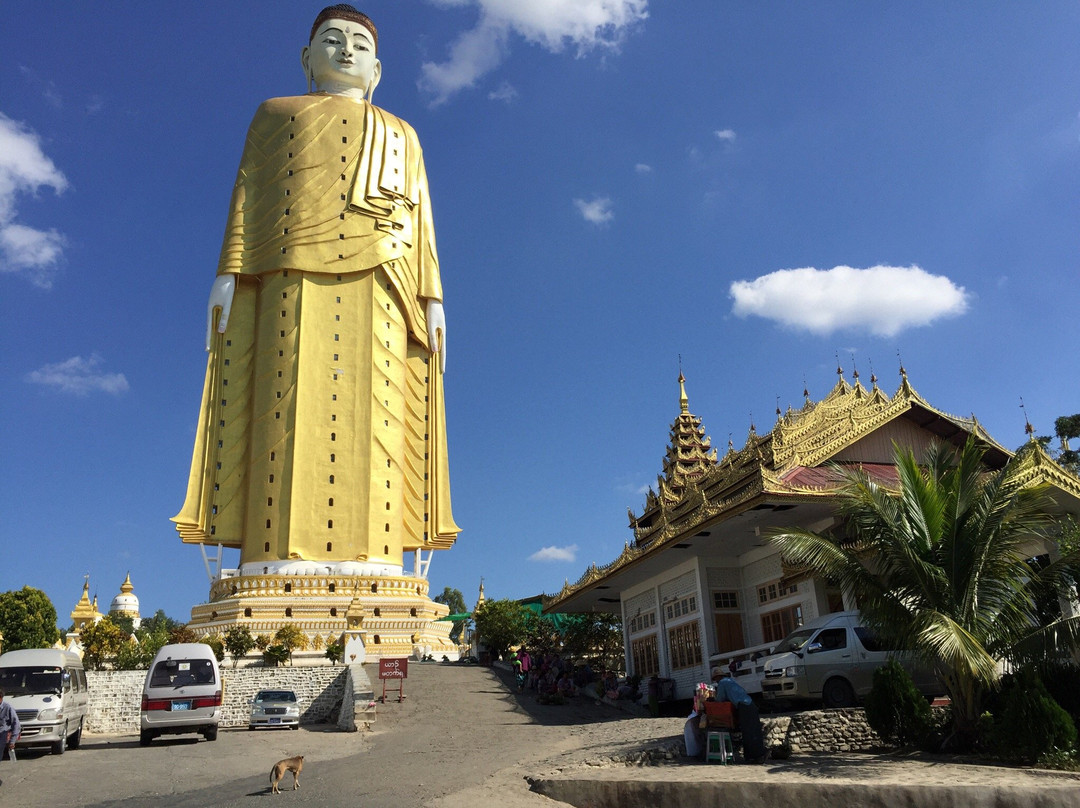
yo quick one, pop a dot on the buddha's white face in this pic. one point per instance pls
(342, 53)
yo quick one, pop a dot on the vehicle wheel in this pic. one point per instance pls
(61, 745)
(76, 739)
(295, 726)
(145, 737)
(838, 693)
(211, 734)
(251, 727)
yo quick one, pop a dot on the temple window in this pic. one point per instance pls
(375, 611)
(331, 479)
(374, 588)
(288, 587)
(377, 640)
(269, 501)
(266, 549)
(412, 612)
(329, 524)
(329, 547)
(333, 612)
(288, 611)
(247, 612)
(330, 502)
(332, 458)
(268, 523)
(332, 587)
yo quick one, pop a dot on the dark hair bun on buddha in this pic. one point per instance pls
(343, 11)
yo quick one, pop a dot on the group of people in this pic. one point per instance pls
(549, 674)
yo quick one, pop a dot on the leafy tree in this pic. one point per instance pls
(27, 619)
(939, 566)
(159, 623)
(275, 654)
(262, 641)
(239, 643)
(456, 601)
(133, 655)
(291, 638)
(541, 635)
(101, 643)
(182, 633)
(335, 651)
(125, 623)
(216, 643)
(1066, 428)
(595, 638)
(500, 624)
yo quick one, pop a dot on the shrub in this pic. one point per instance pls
(895, 709)
(1028, 723)
(1062, 682)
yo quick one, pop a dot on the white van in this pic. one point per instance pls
(833, 659)
(47, 689)
(182, 693)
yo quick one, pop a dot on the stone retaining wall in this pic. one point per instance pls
(116, 696)
(843, 730)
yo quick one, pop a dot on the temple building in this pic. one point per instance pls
(85, 612)
(700, 585)
(126, 604)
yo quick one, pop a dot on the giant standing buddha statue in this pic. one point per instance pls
(321, 445)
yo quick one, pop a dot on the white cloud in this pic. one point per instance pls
(505, 92)
(883, 300)
(643, 168)
(727, 135)
(24, 168)
(568, 553)
(597, 211)
(553, 24)
(79, 377)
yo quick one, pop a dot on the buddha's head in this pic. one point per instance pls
(341, 53)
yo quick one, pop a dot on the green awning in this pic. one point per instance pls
(456, 617)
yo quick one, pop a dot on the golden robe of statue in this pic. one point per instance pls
(321, 433)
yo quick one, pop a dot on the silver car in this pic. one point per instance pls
(275, 708)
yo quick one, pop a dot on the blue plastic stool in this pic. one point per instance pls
(718, 747)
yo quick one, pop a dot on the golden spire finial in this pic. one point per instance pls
(684, 402)
(126, 586)
(1029, 430)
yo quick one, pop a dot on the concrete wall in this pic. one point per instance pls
(116, 696)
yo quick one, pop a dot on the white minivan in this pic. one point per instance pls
(832, 660)
(182, 693)
(47, 689)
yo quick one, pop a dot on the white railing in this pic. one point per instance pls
(749, 665)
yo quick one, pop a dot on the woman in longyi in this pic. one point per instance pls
(321, 434)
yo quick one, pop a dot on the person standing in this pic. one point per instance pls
(10, 728)
(727, 689)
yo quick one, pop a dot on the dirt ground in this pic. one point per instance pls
(465, 738)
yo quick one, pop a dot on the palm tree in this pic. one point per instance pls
(940, 565)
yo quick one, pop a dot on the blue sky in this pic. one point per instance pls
(616, 184)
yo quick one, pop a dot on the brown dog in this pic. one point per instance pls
(294, 765)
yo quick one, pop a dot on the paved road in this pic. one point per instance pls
(457, 726)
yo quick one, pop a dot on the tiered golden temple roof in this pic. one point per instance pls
(788, 465)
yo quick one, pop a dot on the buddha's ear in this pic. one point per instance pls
(376, 74)
(305, 61)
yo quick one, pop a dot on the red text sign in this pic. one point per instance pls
(394, 668)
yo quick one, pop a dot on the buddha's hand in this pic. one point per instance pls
(221, 297)
(436, 329)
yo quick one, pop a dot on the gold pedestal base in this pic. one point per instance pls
(399, 617)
